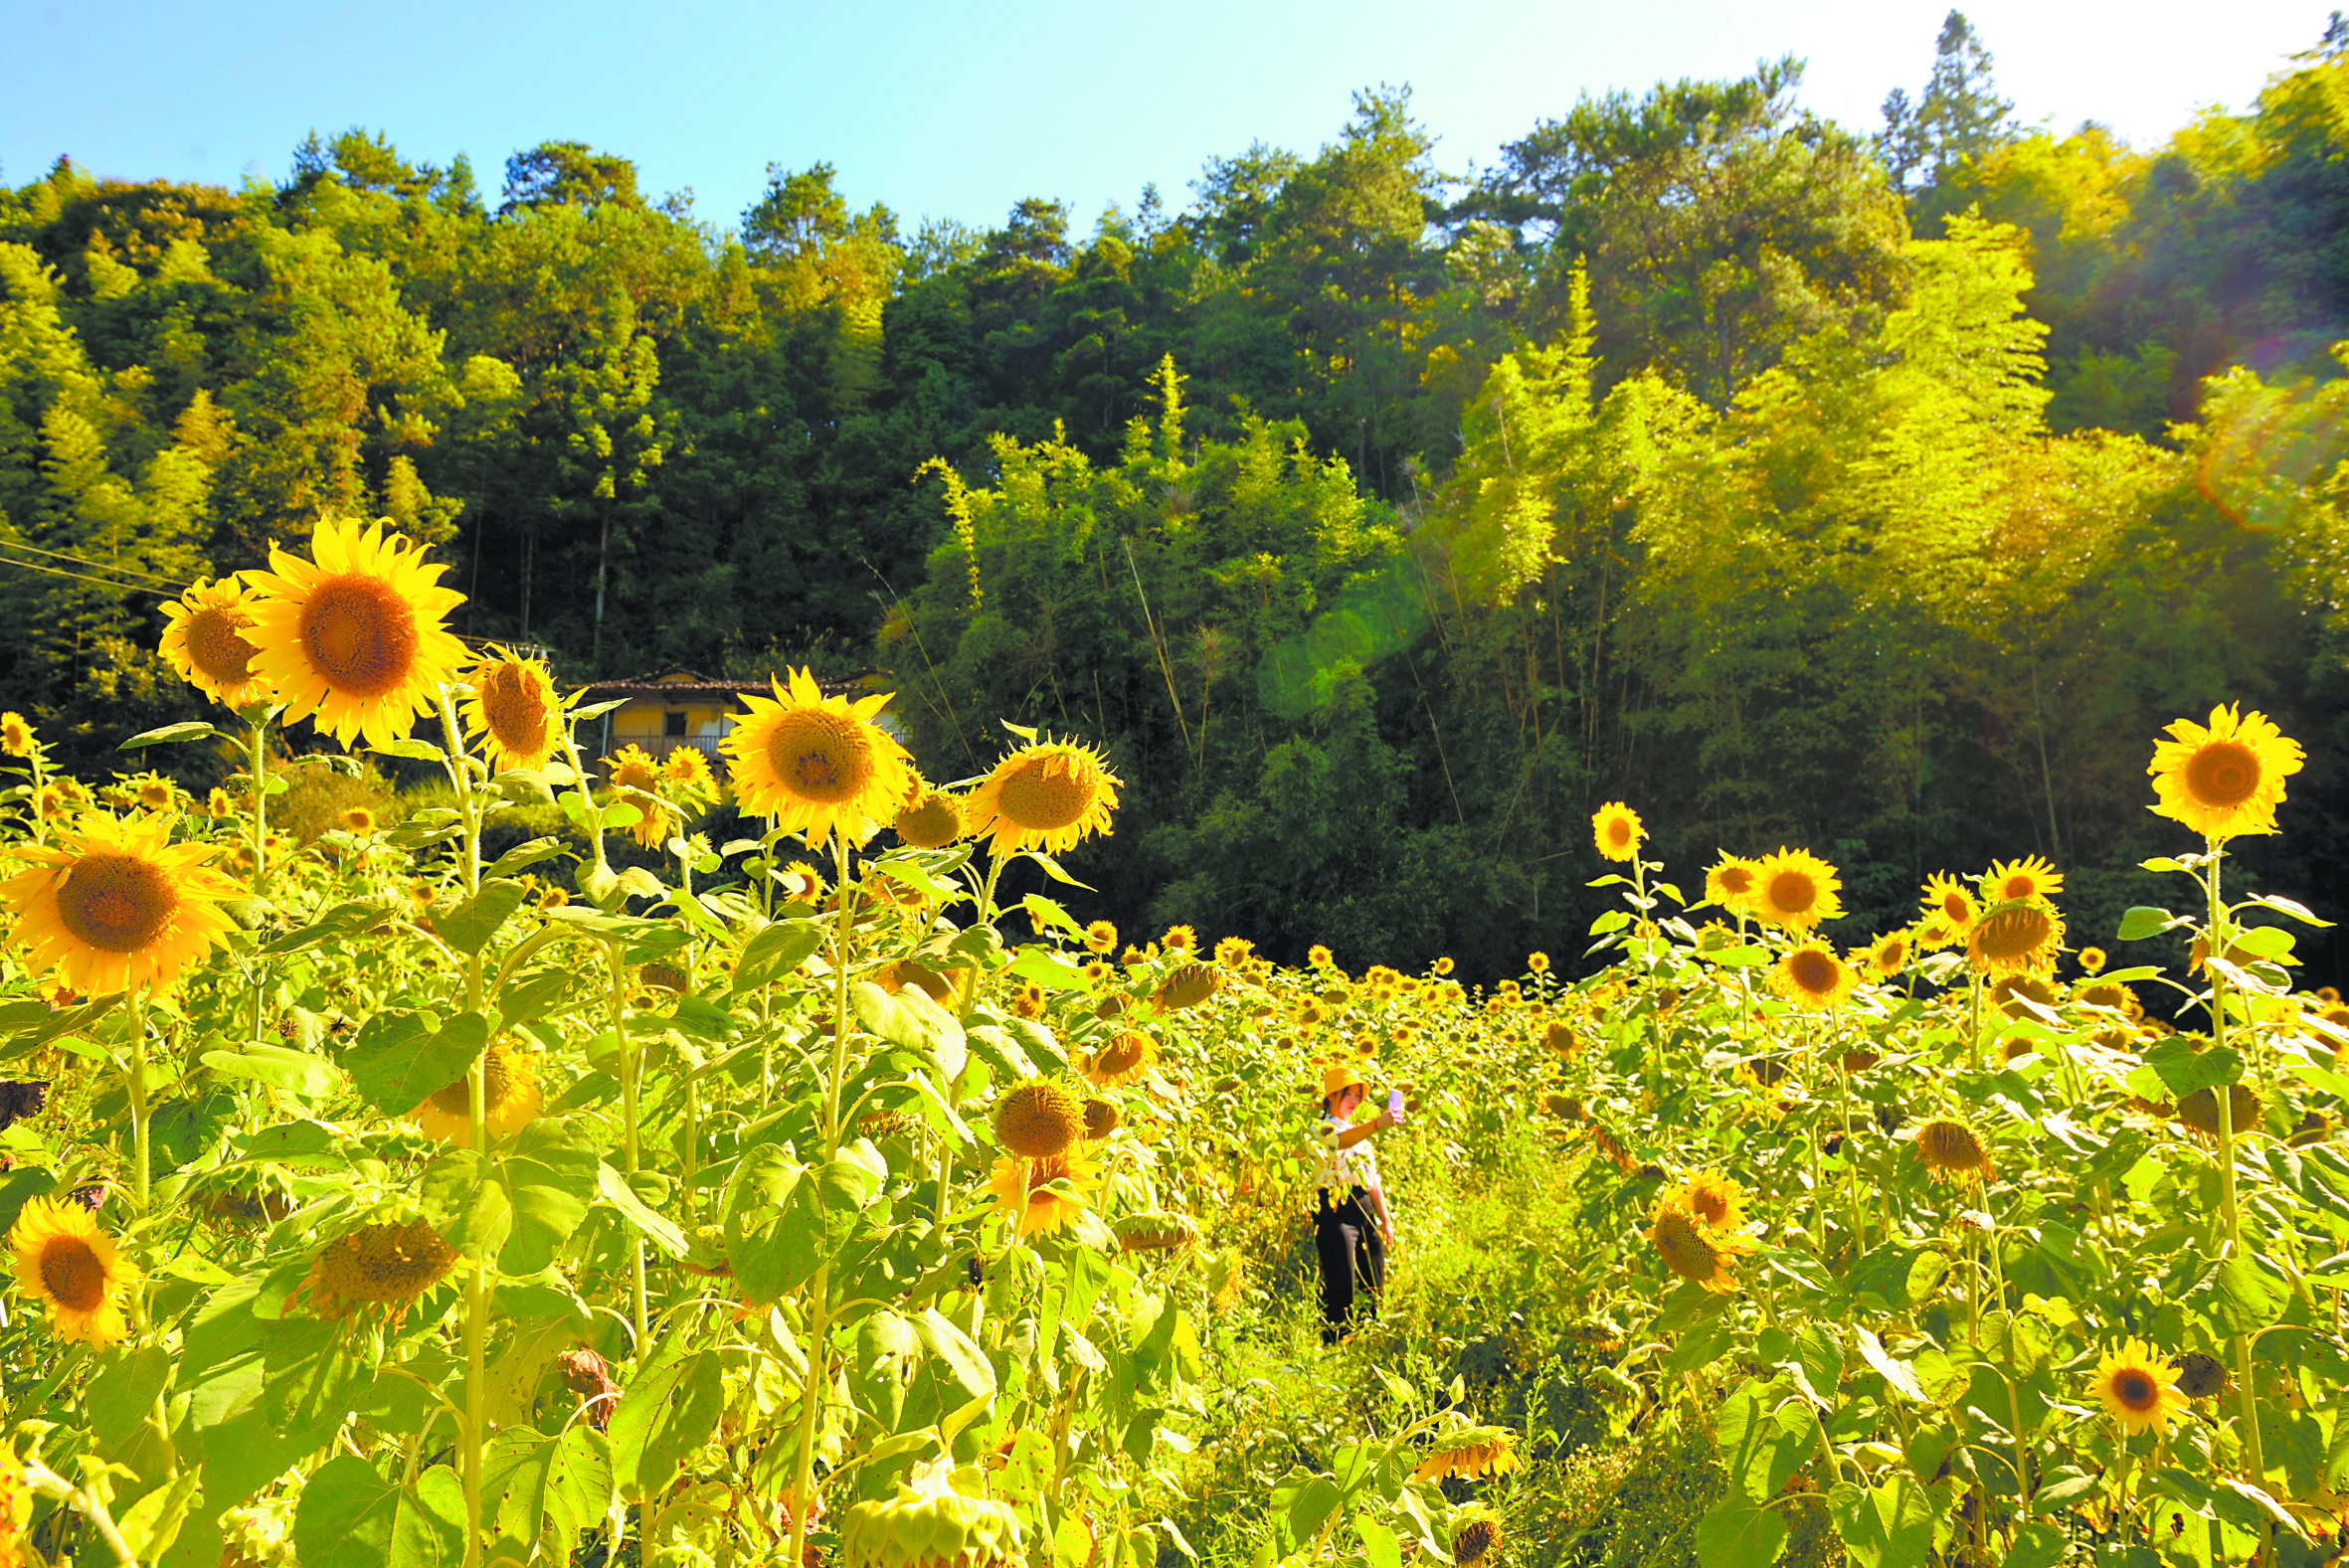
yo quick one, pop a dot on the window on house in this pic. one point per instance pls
(673, 722)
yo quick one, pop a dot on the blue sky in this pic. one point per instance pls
(957, 111)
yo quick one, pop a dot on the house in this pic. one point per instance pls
(672, 708)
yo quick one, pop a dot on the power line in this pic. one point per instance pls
(103, 565)
(103, 581)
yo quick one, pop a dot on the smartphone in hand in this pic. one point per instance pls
(1394, 1105)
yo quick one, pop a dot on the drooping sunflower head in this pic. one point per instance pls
(1693, 1250)
(2029, 877)
(2199, 1111)
(1038, 1121)
(817, 764)
(1812, 977)
(1188, 986)
(1049, 795)
(1101, 1120)
(1469, 1452)
(16, 736)
(1025, 1190)
(1795, 889)
(1100, 937)
(2012, 991)
(931, 819)
(515, 706)
(116, 904)
(379, 1269)
(1475, 1539)
(1155, 1230)
(2021, 937)
(2201, 1376)
(354, 636)
(206, 643)
(1952, 1151)
(1122, 1061)
(2139, 1388)
(2227, 778)
(510, 1098)
(1617, 829)
(66, 1261)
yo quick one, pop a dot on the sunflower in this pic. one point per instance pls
(2016, 939)
(1888, 955)
(510, 1098)
(1951, 909)
(1952, 1151)
(2226, 779)
(1617, 829)
(1537, 963)
(803, 883)
(357, 820)
(2201, 1376)
(2139, 1388)
(1693, 1250)
(2199, 1111)
(206, 643)
(516, 705)
(1100, 937)
(1038, 1121)
(1156, 1231)
(16, 736)
(354, 635)
(1715, 1199)
(1812, 977)
(1023, 1191)
(1101, 1120)
(117, 904)
(1469, 1452)
(2030, 877)
(1439, 967)
(1795, 889)
(816, 765)
(1188, 986)
(1123, 1060)
(1049, 795)
(637, 774)
(153, 793)
(1234, 951)
(386, 1266)
(1476, 1537)
(931, 819)
(66, 1261)
(1320, 958)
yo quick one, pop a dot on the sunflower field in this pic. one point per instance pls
(373, 1199)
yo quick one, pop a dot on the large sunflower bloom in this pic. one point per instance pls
(1952, 910)
(1812, 977)
(1617, 829)
(117, 904)
(516, 705)
(931, 819)
(1795, 889)
(1695, 1250)
(2139, 1388)
(510, 1098)
(1729, 882)
(1049, 795)
(1023, 1191)
(63, 1260)
(385, 1266)
(206, 643)
(2022, 938)
(354, 636)
(2226, 779)
(2029, 877)
(816, 765)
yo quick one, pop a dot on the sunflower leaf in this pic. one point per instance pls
(398, 1062)
(349, 1516)
(2143, 920)
(194, 730)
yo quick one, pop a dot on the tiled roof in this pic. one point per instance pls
(692, 683)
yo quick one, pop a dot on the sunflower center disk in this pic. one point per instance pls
(1792, 892)
(2135, 1389)
(1047, 793)
(74, 1275)
(2224, 774)
(360, 634)
(117, 902)
(821, 756)
(214, 643)
(1813, 972)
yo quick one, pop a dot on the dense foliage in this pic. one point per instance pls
(1823, 487)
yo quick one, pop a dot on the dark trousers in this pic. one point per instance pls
(1353, 1259)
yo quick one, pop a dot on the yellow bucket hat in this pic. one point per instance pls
(1337, 1076)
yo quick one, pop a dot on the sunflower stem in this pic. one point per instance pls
(630, 1071)
(134, 1083)
(2223, 1100)
(258, 769)
(476, 1292)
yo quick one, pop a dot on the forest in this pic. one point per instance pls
(1874, 489)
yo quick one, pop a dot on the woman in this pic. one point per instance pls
(1352, 1227)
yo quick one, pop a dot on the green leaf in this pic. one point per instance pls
(149, 1526)
(351, 1517)
(2285, 905)
(523, 855)
(1382, 1548)
(469, 927)
(775, 952)
(398, 1064)
(2264, 942)
(2183, 1069)
(911, 1019)
(1048, 970)
(1609, 920)
(313, 1371)
(296, 1072)
(650, 1222)
(786, 1220)
(193, 730)
(344, 920)
(1899, 1374)
(665, 1415)
(1890, 1525)
(472, 1213)
(2239, 1298)
(544, 1491)
(2141, 922)
(548, 1172)
(1735, 1534)
(1305, 1501)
